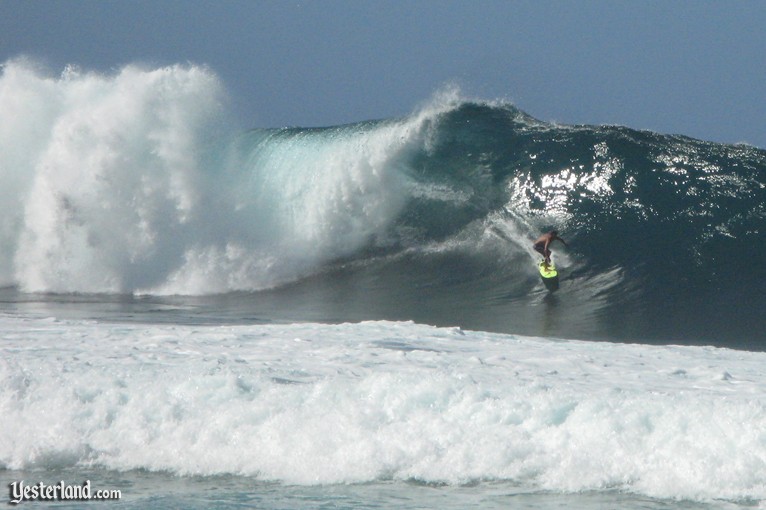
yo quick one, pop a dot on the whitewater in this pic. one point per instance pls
(203, 315)
(309, 404)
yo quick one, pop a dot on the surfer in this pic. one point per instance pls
(542, 243)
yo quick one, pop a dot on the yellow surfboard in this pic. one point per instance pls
(548, 272)
(550, 276)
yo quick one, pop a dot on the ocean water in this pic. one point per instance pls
(206, 316)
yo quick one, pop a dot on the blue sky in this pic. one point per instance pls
(691, 67)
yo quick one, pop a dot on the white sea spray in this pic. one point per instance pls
(316, 404)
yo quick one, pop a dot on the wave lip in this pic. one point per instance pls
(109, 174)
(133, 182)
(316, 404)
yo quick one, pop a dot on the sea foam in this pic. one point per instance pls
(105, 173)
(318, 404)
(139, 181)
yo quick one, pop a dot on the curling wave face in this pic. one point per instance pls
(137, 183)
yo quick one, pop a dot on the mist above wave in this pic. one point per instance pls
(133, 182)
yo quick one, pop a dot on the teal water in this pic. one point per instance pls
(429, 217)
(164, 491)
(351, 317)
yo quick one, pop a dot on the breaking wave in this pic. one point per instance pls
(138, 183)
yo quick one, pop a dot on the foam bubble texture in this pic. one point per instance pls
(316, 404)
(106, 174)
(139, 181)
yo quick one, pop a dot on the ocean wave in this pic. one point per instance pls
(136, 182)
(316, 404)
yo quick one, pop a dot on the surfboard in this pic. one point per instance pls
(549, 275)
(548, 272)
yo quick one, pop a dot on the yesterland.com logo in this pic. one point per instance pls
(19, 492)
